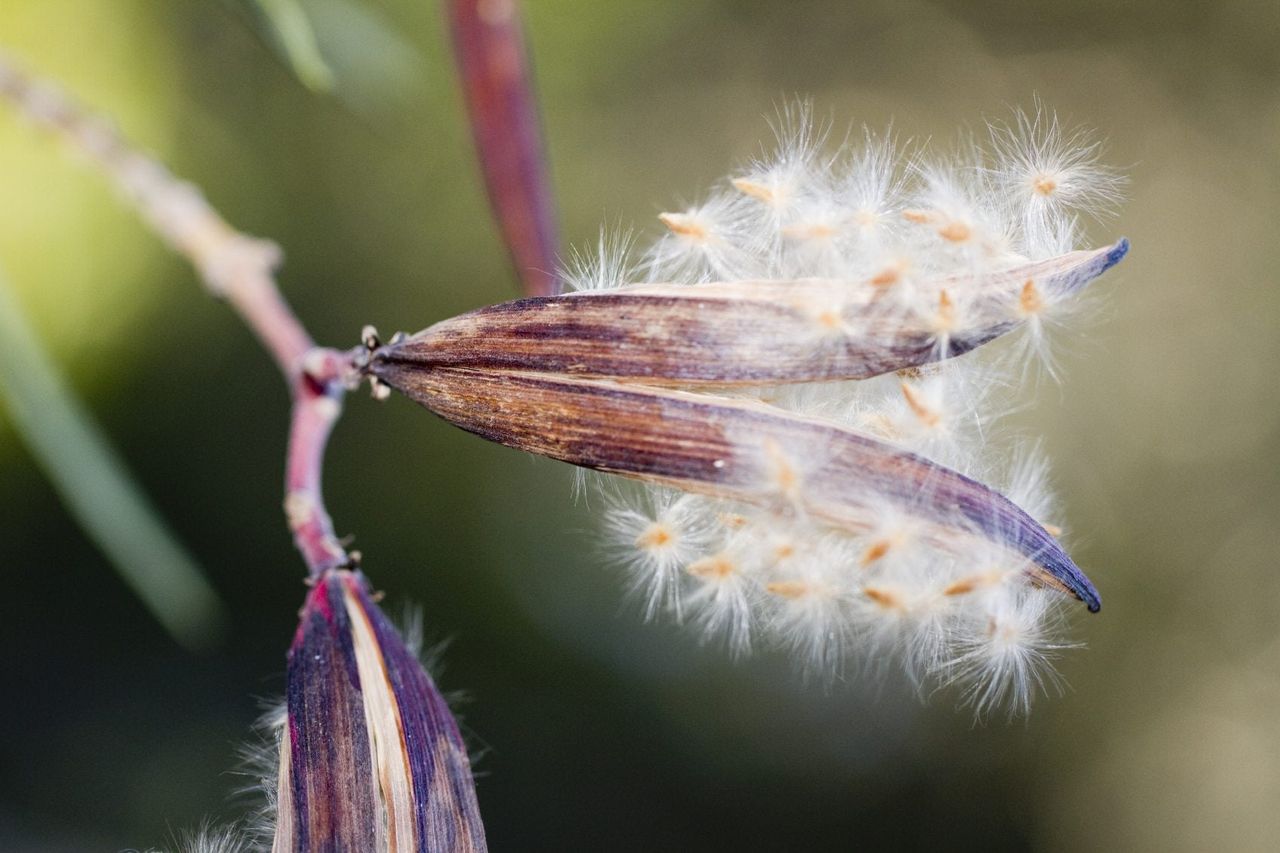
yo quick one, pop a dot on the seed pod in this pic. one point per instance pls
(752, 332)
(780, 503)
(371, 757)
(737, 450)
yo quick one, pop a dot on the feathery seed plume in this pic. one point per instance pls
(808, 451)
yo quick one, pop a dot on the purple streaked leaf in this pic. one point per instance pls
(497, 85)
(449, 818)
(327, 795)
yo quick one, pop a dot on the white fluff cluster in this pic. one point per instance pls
(947, 609)
(871, 212)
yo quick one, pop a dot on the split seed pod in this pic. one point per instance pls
(371, 757)
(721, 334)
(590, 378)
(791, 487)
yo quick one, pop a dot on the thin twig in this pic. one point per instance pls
(233, 266)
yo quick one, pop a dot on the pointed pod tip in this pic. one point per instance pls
(1084, 590)
(1114, 256)
(1061, 572)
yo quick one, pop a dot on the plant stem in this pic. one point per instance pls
(234, 267)
(497, 87)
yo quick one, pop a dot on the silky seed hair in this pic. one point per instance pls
(921, 238)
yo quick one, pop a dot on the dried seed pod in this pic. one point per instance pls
(752, 332)
(777, 500)
(371, 757)
(730, 449)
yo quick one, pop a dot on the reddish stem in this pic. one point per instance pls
(317, 378)
(316, 406)
(488, 46)
(235, 267)
(259, 303)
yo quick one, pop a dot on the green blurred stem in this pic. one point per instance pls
(296, 38)
(96, 487)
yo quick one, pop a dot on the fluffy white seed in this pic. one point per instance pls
(918, 239)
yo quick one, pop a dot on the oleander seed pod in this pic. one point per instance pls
(797, 378)
(370, 755)
(720, 334)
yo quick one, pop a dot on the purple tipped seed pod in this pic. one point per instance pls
(796, 379)
(371, 758)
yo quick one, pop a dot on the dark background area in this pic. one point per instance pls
(598, 731)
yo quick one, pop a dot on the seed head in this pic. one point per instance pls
(808, 449)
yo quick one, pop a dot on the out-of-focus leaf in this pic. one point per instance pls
(488, 45)
(344, 49)
(292, 34)
(97, 489)
(379, 73)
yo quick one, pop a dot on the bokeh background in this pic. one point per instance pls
(600, 732)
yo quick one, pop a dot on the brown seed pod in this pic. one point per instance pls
(747, 332)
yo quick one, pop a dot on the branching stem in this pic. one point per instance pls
(235, 267)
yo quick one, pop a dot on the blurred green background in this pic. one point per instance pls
(600, 732)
